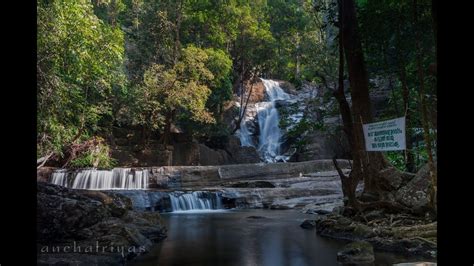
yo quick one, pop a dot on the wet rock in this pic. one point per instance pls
(279, 206)
(279, 170)
(256, 217)
(363, 231)
(344, 221)
(322, 212)
(241, 154)
(251, 184)
(287, 87)
(388, 234)
(315, 209)
(308, 224)
(356, 253)
(258, 91)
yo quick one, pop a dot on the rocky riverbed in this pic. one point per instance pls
(83, 227)
(131, 219)
(386, 232)
(413, 232)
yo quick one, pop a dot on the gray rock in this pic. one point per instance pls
(256, 217)
(391, 178)
(315, 209)
(375, 214)
(363, 231)
(338, 210)
(308, 224)
(91, 218)
(356, 253)
(251, 184)
(415, 194)
(344, 220)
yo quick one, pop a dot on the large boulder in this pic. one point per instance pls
(258, 92)
(192, 153)
(90, 218)
(416, 193)
(308, 224)
(241, 154)
(322, 145)
(390, 178)
(61, 212)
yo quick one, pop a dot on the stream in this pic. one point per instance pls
(230, 237)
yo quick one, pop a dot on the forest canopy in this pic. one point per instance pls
(156, 63)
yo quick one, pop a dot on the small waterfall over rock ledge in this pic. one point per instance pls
(197, 200)
(174, 201)
(93, 179)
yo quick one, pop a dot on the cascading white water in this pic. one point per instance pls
(93, 179)
(268, 121)
(245, 134)
(197, 200)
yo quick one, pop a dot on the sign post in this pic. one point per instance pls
(388, 135)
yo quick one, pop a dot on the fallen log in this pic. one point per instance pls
(42, 161)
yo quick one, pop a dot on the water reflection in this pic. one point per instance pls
(231, 238)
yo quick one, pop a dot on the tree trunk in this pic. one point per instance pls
(177, 27)
(409, 158)
(243, 105)
(424, 109)
(409, 155)
(297, 57)
(434, 16)
(372, 162)
(349, 183)
(167, 130)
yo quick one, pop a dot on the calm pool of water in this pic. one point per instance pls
(230, 238)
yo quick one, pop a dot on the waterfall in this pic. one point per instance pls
(197, 200)
(268, 121)
(93, 179)
(245, 134)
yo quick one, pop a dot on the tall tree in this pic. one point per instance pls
(181, 89)
(75, 78)
(349, 183)
(370, 162)
(423, 107)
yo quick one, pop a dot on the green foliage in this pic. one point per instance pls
(389, 39)
(182, 88)
(147, 63)
(79, 62)
(220, 64)
(96, 156)
(397, 159)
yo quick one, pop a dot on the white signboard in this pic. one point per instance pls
(388, 135)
